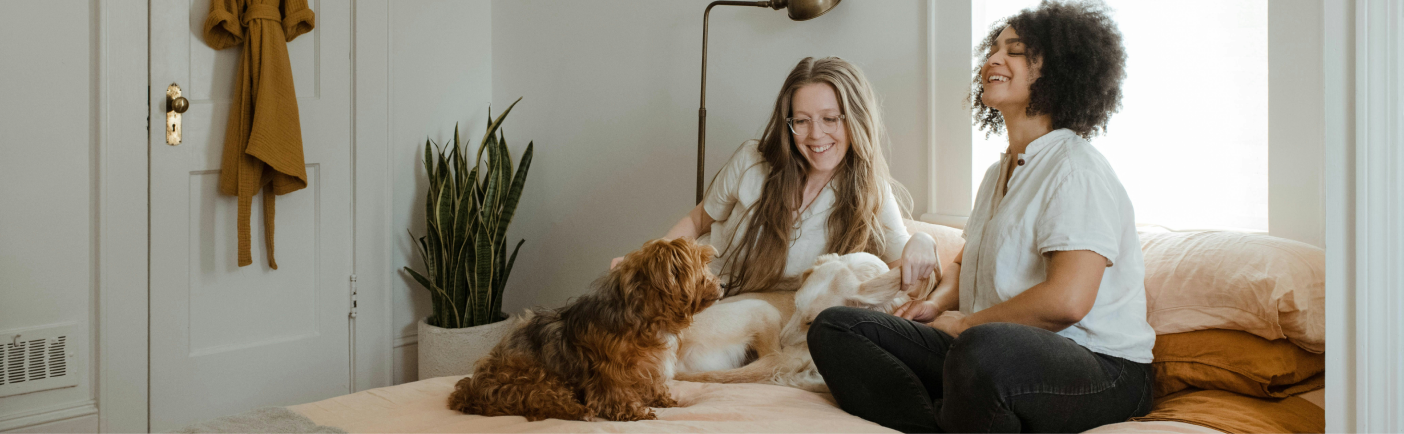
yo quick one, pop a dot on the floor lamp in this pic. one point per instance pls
(799, 10)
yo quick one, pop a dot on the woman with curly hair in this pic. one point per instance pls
(1045, 328)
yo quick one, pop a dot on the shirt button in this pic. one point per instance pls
(1021, 161)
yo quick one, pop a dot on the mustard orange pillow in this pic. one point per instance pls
(1234, 413)
(1271, 287)
(1234, 361)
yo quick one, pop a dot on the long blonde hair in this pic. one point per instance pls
(859, 181)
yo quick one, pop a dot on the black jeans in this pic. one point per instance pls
(996, 377)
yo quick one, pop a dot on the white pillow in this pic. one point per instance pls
(1268, 286)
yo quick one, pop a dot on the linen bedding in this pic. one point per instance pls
(1234, 276)
(420, 407)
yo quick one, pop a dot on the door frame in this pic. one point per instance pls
(126, 134)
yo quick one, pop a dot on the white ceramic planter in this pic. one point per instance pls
(444, 352)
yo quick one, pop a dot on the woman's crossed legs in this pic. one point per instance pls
(994, 378)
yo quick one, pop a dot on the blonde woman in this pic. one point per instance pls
(816, 182)
(1045, 329)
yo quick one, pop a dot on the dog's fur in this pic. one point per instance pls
(735, 331)
(607, 355)
(713, 349)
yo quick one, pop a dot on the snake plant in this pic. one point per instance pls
(467, 213)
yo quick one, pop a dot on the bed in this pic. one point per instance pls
(1239, 349)
(419, 407)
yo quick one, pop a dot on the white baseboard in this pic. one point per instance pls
(405, 367)
(51, 414)
(81, 424)
(409, 339)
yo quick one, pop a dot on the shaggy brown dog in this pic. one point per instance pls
(606, 355)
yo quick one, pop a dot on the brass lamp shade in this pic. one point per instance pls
(801, 10)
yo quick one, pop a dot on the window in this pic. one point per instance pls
(1190, 143)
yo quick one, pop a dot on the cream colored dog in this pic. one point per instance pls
(770, 327)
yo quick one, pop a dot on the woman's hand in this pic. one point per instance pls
(921, 311)
(952, 322)
(918, 261)
(614, 262)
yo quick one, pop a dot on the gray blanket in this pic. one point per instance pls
(260, 420)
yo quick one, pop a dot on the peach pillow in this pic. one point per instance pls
(1268, 286)
(1235, 361)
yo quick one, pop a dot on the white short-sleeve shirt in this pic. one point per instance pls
(737, 188)
(1063, 195)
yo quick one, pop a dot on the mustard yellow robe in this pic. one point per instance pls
(263, 144)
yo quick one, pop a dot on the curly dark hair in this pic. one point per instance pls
(1079, 83)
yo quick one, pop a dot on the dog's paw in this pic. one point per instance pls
(631, 414)
(664, 401)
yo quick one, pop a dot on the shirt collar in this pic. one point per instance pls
(1042, 143)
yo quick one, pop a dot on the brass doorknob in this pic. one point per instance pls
(175, 105)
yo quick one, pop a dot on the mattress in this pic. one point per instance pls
(420, 407)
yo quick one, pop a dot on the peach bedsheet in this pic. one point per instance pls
(420, 407)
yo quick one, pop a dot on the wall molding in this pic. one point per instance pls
(1338, 76)
(49, 414)
(373, 361)
(1379, 217)
(406, 340)
(121, 289)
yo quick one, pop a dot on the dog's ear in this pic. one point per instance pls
(677, 280)
(877, 291)
(704, 288)
(707, 252)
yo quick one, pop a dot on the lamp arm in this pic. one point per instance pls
(702, 106)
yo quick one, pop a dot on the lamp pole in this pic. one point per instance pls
(702, 108)
(798, 10)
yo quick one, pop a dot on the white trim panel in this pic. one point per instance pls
(49, 414)
(373, 361)
(121, 335)
(1379, 216)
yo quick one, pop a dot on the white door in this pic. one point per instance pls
(226, 339)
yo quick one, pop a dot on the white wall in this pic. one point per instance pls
(610, 98)
(48, 187)
(440, 55)
(1296, 122)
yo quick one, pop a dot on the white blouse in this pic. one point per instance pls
(737, 188)
(1063, 195)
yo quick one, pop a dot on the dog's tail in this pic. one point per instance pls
(759, 371)
(516, 386)
(462, 397)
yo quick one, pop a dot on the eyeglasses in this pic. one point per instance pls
(827, 124)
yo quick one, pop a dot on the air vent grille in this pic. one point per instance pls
(35, 359)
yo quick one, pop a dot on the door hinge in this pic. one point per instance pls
(353, 296)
